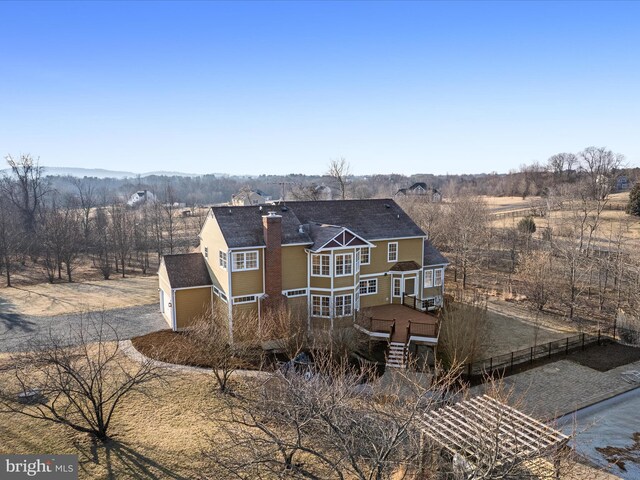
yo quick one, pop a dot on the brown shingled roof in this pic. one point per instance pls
(405, 266)
(187, 270)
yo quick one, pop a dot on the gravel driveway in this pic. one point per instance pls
(16, 329)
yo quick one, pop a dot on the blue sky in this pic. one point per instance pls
(284, 87)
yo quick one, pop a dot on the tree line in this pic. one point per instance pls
(564, 254)
(57, 230)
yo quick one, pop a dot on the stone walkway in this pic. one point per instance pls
(556, 389)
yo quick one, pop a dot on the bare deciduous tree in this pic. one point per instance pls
(81, 380)
(329, 425)
(26, 188)
(535, 271)
(600, 165)
(10, 238)
(210, 335)
(463, 330)
(339, 171)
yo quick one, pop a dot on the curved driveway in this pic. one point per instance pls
(16, 330)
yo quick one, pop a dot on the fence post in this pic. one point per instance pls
(598, 336)
(469, 369)
(491, 365)
(582, 340)
(531, 361)
(566, 348)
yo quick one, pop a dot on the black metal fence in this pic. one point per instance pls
(506, 362)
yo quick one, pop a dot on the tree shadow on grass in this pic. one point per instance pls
(122, 461)
(14, 322)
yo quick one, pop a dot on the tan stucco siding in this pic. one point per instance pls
(212, 240)
(342, 282)
(294, 268)
(380, 298)
(320, 282)
(298, 306)
(248, 282)
(190, 304)
(245, 309)
(408, 249)
(432, 292)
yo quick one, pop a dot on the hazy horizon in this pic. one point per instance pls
(282, 87)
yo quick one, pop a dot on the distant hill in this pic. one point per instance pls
(103, 173)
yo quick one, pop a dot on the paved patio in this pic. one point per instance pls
(561, 387)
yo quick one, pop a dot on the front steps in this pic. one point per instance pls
(397, 355)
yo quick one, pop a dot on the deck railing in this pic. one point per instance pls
(506, 363)
(376, 325)
(411, 301)
(417, 329)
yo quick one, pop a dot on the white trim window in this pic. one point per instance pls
(219, 293)
(397, 287)
(369, 287)
(222, 259)
(428, 278)
(301, 292)
(321, 265)
(344, 264)
(438, 277)
(245, 261)
(432, 303)
(365, 255)
(392, 252)
(245, 299)
(343, 305)
(320, 306)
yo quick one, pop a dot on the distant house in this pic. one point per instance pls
(420, 188)
(247, 197)
(322, 192)
(622, 183)
(140, 197)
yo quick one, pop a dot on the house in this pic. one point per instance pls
(346, 263)
(247, 197)
(140, 197)
(622, 183)
(420, 188)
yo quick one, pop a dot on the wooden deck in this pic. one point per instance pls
(422, 324)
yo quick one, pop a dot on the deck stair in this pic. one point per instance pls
(397, 355)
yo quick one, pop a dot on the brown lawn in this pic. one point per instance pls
(55, 299)
(159, 436)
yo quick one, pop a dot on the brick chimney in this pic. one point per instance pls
(272, 230)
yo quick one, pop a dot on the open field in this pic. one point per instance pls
(47, 299)
(510, 204)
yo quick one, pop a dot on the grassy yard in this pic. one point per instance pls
(62, 298)
(507, 333)
(160, 436)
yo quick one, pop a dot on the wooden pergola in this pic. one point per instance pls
(492, 436)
